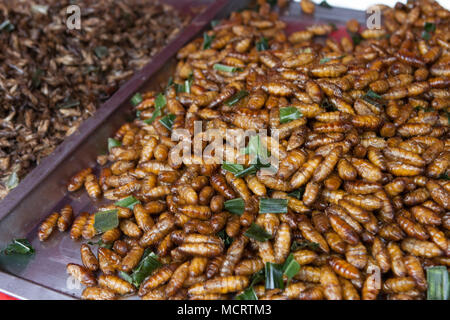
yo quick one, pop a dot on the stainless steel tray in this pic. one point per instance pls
(43, 275)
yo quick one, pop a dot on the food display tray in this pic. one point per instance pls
(43, 275)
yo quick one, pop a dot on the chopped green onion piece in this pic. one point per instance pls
(289, 113)
(248, 294)
(255, 147)
(235, 98)
(298, 194)
(273, 205)
(234, 168)
(258, 233)
(113, 143)
(372, 95)
(148, 264)
(291, 267)
(167, 121)
(225, 68)
(68, 104)
(169, 83)
(13, 181)
(128, 202)
(19, 246)
(101, 51)
(257, 277)
(125, 276)
(188, 84)
(274, 276)
(247, 171)
(236, 206)
(297, 245)
(207, 40)
(325, 4)
(262, 44)
(136, 99)
(160, 101)
(444, 176)
(106, 220)
(429, 27)
(7, 26)
(438, 283)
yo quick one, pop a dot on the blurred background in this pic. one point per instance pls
(364, 4)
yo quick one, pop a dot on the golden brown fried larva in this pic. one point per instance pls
(78, 225)
(76, 182)
(132, 258)
(221, 285)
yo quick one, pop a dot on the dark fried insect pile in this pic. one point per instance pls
(52, 78)
(364, 165)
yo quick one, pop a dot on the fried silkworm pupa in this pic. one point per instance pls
(98, 293)
(220, 285)
(82, 274)
(77, 181)
(66, 218)
(47, 227)
(116, 284)
(78, 225)
(88, 258)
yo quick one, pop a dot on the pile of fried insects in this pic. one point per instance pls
(358, 207)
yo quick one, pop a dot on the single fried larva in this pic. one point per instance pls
(132, 258)
(221, 285)
(233, 255)
(398, 285)
(82, 274)
(343, 268)
(343, 229)
(98, 293)
(92, 186)
(88, 258)
(76, 182)
(116, 284)
(305, 172)
(158, 231)
(78, 225)
(330, 283)
(65, 219)
(156, 279)
(311, 234)
(47, 227)
(177, 279)
(414, 270)
(421, 248)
